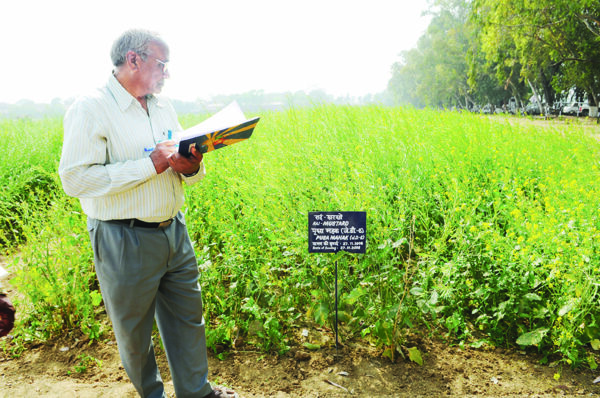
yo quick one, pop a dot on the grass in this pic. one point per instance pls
(478, 228)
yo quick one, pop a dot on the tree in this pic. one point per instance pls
(448, 67)
(488, 50)
(555, 43)
(435, 73)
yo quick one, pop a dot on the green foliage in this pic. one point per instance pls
(495, 208)
(552, 44)
(435, 73)
(415, 355)
(534, 337)
(46, 231)
(27, 172)
(485, 51)
(85, 363)
(482, 229)
(55, 274)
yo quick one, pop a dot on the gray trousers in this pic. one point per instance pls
(146, 274)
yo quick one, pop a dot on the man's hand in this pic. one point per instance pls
(185, 165)
(161, 153)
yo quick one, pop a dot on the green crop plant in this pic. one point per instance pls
(483, 230)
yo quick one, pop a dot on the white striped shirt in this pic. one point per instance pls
(104, 162)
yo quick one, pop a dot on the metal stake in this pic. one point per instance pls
(336, 307)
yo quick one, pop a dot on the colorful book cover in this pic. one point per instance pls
(206, 136)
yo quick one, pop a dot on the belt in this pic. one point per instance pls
(134, 222)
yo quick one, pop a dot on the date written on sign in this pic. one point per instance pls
(333, 231)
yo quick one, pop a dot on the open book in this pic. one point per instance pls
(226, 127)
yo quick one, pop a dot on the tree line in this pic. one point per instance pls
(251, 101)
(487, 51)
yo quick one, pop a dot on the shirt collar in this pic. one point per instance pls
(124, 98)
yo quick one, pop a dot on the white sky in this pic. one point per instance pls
(60, 48)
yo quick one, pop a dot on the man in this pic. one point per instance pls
(118, 159)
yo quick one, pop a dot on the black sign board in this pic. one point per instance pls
(334, 231)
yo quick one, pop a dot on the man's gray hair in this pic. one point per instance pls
(136, 40)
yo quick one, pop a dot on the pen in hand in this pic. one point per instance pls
(169, 137)
(161, 154)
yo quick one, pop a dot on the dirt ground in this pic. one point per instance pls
(589, 124)
(447, 371)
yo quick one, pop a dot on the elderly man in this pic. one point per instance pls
(132, 196)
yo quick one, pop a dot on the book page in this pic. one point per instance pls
(229, 116)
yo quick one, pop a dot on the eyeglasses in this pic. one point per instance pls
(164, 65)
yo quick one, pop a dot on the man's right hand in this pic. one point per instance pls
(161, 153)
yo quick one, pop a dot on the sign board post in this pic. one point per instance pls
(334, 231)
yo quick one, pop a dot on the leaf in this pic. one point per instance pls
(344, 316)
(355, 294)
(434, 298)
(532, 338)
(532, 297)
(399, 243)
(592, 332)
(311, 346)
(383, 330)
(338, 255)
(415, 355)
(592, 363)
(388, 352)
(321, 313)
(565, 309)
(595, 344)
(384, 244)
(478, 343)
(96, 298)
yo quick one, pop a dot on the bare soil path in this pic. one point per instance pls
(50, 371)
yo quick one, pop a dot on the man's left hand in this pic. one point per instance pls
(185, 165)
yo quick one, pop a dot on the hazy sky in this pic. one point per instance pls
(61, 48)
